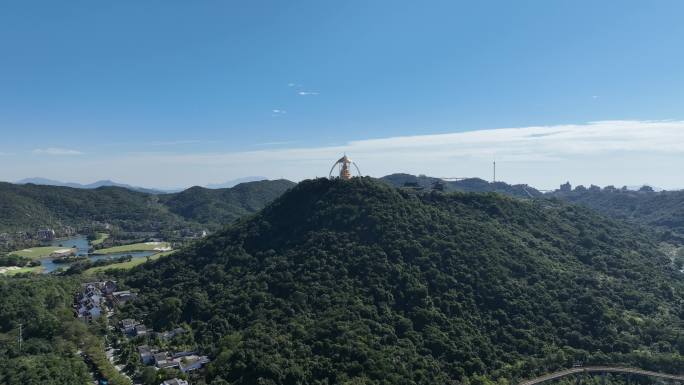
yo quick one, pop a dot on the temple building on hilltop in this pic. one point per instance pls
(343, 164)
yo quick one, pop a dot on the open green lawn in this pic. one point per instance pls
(37, 252)
(100, 238)
(127, 265)
(146, 246)
(35, 269)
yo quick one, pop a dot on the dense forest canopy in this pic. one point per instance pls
(51, 334)
(663, 210)
(462, 185)
(28, 207)
(355, 282)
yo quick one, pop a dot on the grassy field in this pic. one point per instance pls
(37, 252)
(101, 237)
(128, 265)
(146, 246)
(35, 269)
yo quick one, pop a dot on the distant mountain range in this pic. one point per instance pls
(110, 183)
(237, 181)
(94, 185)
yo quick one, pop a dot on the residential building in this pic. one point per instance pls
(175, 381)
(146, 355)
(45, 234)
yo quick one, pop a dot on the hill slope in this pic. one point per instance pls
(354, 282)
(463, 185)
(28, 207)
(204, 205)
(661, 210)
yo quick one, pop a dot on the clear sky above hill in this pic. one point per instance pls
(175, 93)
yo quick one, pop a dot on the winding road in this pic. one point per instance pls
(600, 369)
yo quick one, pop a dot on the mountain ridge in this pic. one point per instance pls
(29, 207)
(94, 185)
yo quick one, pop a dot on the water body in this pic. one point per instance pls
(82, 245)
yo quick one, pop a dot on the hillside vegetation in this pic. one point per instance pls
(355, 282)
(51, 335)
(205, 205)
(463, 185)
(660, 210)
(28, 207)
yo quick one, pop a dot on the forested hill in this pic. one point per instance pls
(355, 282)
(662, 210)
(463, 185)
(28, 207)
(205, 205)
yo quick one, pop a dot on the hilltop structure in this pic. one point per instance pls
(343, 165)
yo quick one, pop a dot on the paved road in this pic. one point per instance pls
(600, 369)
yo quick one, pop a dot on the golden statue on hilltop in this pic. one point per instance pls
(344, 164)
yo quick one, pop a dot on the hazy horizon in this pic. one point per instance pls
(620, 153)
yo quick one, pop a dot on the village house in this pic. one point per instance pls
(140, 330)
(45, 234)
(146, 355)
(191, 362)
(121, 297)
(170, 334)
(90, 302)
(175, 381)
(127, 326)
(161, 359)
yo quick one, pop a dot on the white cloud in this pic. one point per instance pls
(56, 151)
(278, 111)
(605, 152)
(307, 93)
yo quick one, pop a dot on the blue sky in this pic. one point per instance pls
(133, 90)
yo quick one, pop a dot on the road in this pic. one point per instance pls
(600, 369)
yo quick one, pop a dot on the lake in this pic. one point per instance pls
(81, 244)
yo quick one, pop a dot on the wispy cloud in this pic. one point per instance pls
(278, 111)
(175, 142)
(56, 151)
(307, 93)
(539, 155)
(605, 152)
